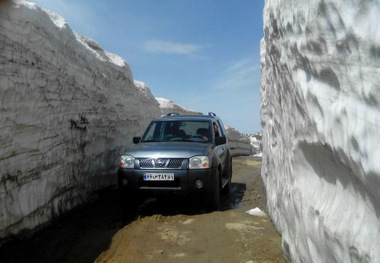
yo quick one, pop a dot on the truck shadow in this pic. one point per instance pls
(233, 199)
(82, 234)
(190, 205)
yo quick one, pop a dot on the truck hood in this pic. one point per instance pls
(168, 149)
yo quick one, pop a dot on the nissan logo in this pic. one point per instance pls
(160, 162)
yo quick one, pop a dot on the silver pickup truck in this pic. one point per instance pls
(179, 154)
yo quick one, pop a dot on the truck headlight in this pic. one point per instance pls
(127, 161)
(199, 162)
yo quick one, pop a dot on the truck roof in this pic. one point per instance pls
(176, 116)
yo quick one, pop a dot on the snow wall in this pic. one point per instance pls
(67, 109)
(320, 111)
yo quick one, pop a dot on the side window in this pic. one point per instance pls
(221, 128)
(217, 130)
(149, 135)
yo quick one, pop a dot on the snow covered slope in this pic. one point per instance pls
(67, 109)
(320, 110)
(168, 106)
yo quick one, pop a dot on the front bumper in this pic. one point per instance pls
(184, 180)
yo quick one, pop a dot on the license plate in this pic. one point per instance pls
(159, 177)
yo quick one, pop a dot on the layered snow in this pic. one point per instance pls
(320, 111)
(239, 143)
(67, 109)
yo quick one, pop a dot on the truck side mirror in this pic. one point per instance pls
(220, 140)
(136, 140)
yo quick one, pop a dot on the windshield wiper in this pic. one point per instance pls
(187, 140)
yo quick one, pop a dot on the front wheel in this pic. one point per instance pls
(227, 187)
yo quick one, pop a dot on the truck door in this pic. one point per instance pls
(221, 150)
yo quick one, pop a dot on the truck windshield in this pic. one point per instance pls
(171, 131)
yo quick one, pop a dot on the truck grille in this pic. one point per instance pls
(175, 163)
(146, 163)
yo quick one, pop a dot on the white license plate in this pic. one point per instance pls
(159, 177)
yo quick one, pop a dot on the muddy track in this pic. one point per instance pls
(163, 230)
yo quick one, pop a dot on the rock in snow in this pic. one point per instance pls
(67, 109)
(320, 111)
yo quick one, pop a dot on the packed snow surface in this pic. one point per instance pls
(67, 109)
(320, 115)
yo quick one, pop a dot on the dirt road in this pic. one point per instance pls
(163, 230)
(189, 234)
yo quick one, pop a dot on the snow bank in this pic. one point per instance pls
(256, 212)
(256, 144)
(168, 106)
(239, 143)
(320, 111)
(67, 109)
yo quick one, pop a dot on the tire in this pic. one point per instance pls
(215, 194)
(227, 188)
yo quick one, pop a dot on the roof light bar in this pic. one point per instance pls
(172, 114)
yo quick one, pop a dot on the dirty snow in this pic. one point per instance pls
(320, 116)
(67, 109)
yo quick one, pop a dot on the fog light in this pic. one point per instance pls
(124, 182)
(198, 183)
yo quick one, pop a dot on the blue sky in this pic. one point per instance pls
(202, 54)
